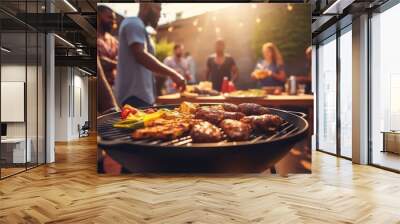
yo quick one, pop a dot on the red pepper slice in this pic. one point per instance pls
(126, 110)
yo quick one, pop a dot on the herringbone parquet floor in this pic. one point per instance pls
(70, 191)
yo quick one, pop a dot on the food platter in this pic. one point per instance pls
(201, 90)
(247, 94)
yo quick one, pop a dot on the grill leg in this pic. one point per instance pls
(280, 172)
(273, 170)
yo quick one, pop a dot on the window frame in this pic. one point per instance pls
(334, 37)
(379, 10)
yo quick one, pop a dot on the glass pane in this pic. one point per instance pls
(346, 94)
(13, 85)
(386, 89)
(41, 99)
(31, 97)
(327, 96)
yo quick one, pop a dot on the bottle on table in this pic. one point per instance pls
(225, 85)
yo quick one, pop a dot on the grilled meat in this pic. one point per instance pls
(236, 130)
(232, 115)
(215, 116)
(265, 122)
(230, 107)
(168, 121)
(205, 132)
(165, 131)
(209, 114)
(252, 109)
(263, 110)
(202, 123)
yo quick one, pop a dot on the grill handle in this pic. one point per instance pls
(300, 114)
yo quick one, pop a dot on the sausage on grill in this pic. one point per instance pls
(215, 116)
(230, 107)
(252, 109)
(265, 122)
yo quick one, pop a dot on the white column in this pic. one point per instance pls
(360, 90)
(50, 92)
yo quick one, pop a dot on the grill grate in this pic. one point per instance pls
(109, 133)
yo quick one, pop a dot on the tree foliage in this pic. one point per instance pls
(163, 48)
(290, 31)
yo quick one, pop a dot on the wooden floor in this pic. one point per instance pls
(70, 191)
(386, 159)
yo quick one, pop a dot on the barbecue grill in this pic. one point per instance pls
(182, 155)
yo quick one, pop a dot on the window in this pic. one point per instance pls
(385, 88)
(346, 92)
(22, 76)
(326, 96)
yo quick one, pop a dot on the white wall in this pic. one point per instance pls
(34, 125)
(61, 103)
(71, 102)
(14, 73)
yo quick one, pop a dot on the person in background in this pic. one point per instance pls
(179, 64)
(220, 65)
(107, 44)
(305, 76)
(107, 51)
(136, 62)
(270, 70)
(192, 68)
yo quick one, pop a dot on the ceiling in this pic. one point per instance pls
(75, 21)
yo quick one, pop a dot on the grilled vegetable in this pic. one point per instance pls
(188, 108)
(127, 110)
(141, 122)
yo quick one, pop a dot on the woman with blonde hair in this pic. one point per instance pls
(270, 70)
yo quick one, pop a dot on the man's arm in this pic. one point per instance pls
(108, 63)
(188, 73)
(153, 64)
(208, 70)
(234, 71)
(280, 75)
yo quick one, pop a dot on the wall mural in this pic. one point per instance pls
(187, 88)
